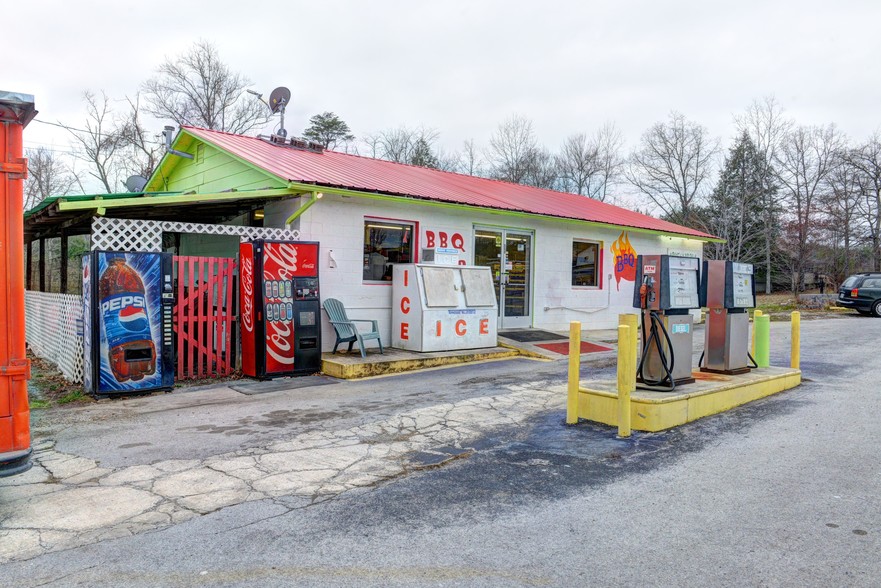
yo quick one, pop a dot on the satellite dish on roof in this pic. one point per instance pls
(135, 183)
(279, 98)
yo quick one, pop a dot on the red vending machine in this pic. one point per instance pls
(279, 306)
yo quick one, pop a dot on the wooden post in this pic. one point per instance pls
(63, 263)
(625, 376)
(29, 265)
(574, 372)
(42, 266)
(795, 350)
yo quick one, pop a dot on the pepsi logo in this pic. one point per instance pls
(133, 318)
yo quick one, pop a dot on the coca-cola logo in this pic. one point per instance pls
(308, 266)
(279, 343)
(248, 298)
(285, 256)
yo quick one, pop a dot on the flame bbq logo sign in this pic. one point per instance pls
(624, 256)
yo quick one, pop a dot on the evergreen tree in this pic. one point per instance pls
(422, 154)
(329, 130)
(734, 210)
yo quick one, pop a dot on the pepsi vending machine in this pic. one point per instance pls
(279, 308)
(128, 301)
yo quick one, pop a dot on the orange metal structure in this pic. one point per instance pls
(16, 111)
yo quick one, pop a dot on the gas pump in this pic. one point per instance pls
(727, 290)
(667, 292)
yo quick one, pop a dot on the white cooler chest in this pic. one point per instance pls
(443, 307)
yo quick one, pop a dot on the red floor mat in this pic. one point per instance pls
(563, 348)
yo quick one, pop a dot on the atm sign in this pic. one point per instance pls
(648, 269)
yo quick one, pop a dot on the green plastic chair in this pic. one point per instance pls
(346, 331)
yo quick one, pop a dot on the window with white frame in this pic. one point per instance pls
(386, 242)
(585, 263)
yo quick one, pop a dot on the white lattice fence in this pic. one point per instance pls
(127, 234)
(53, 329)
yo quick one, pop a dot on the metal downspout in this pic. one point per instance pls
(316, 196)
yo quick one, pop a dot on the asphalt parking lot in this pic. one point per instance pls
(461, 476)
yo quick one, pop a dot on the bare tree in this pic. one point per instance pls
(146, 149)
(512, 150)
(578, 163)
(673, 165)
(471, 160)
(541, 170)
(609, 142)
(47, 176)
(867, 160)
(100, 142)
(841, 206)
(588, 166)
(197, 88)
(766, 125)
(415, 146)
(806, 158)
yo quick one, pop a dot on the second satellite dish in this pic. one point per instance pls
(279, 98)
(135, 184)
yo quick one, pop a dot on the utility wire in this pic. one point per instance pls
(67, 128)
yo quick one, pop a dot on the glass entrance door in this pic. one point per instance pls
(509, 253)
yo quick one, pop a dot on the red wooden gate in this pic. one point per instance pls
(204, 316)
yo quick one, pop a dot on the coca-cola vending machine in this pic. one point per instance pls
(279, 308)
(128, 301)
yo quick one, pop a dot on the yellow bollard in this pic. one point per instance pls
(632, 321)
(625, 377)
(574, 372)
(795, 352)
(756, 314)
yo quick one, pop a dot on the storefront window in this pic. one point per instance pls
(584, 263)
(386, 243)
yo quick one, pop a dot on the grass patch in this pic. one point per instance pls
(49, 388)
(71, 397)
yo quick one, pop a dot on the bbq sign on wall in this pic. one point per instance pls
(445, 239)
(624, 259)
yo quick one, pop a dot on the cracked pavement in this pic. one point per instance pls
(69, 500)
(779, 492)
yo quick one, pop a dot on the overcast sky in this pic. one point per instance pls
(462, 67)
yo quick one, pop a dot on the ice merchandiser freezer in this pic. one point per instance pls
(443, 308)
(128, 301)
(279, 308)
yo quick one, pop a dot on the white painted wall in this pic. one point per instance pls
(338, 224)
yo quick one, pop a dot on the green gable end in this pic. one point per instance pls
(211, 170)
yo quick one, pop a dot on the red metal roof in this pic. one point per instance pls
(341, 170)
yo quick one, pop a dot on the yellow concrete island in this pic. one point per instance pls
(612, 401)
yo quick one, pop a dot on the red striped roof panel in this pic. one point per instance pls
(341, 170)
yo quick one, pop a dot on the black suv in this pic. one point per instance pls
(862, 292)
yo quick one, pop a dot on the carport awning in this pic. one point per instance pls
(73, 214)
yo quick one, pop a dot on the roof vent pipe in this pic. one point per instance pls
(167, 133)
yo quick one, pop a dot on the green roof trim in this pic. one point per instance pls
(128, 200)
(49, 200)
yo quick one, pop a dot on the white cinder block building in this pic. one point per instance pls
(555, 257)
